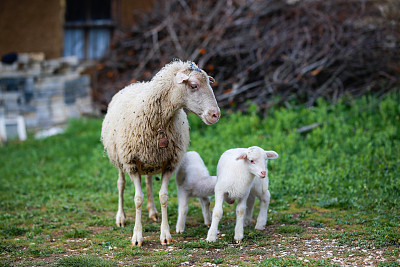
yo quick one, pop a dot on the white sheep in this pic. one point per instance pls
(236, 171)
(146, 131)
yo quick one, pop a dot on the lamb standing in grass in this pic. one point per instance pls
(261, 191)
(236, 171)
(145, 132)
(193, 180)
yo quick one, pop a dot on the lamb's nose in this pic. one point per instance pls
(263, 173)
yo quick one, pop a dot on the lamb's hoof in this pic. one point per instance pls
(211, 238)
(179, 231)
(165, 242)
(238, 242)
(260, 228)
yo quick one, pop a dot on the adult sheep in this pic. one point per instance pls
(146, 132)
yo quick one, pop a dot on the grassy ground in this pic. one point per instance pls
(335, 194)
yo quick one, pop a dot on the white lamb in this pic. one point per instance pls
(236, 173)
(259, 190)
(145, 132)
(194, 180)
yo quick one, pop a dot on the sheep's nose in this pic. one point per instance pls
(262, 174)
(214, 115)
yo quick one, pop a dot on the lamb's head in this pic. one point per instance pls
(256, 160)
(197, 94)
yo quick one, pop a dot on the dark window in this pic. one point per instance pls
(88, 28)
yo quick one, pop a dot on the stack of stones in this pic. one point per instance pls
(46, 93)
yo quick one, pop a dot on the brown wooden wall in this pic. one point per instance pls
(32, 26)
(38, 25)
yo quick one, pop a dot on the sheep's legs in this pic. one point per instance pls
(137, 238)
(262, 216)
(205, 207)
(153, 214)
(216, 217)
(165, 236)
(249, 211)
(183, 199)
(240, 213)
(120, 218)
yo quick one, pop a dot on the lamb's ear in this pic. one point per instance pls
(271, 154)
(181, 77)
(242, 156)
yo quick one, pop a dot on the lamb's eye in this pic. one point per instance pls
(252, 161)
(194, 86)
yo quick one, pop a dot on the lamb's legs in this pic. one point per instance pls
(183, 199)
(205, 207)
(120, 218)
(240, 212)
(262, 216)
(153, 214)
(216, 217)
(137, 238)
(249, 211)
(165, 236)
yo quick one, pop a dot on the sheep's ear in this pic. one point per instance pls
(181, 77)
(271, 154)
(242, 156)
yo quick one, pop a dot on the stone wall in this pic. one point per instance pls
(45, 93)
(38, 25)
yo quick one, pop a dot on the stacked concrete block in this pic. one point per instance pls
(44, 98)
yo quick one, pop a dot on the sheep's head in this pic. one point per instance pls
(256, 159)
(197, 93)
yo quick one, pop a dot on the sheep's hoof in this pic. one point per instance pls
(120, 223)
(165, 242)
(137, 243)
(137, 238)
(238, 242)
(120, 219)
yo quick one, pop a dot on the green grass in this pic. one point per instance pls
(84, 261)
(339, 181)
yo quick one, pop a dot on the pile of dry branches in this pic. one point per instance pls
(265, 51)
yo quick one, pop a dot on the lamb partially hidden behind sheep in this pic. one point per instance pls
(236, 172)
(145, 132)
(193, 180)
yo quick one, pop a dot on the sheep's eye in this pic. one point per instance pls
(194, 86)
(252, 161)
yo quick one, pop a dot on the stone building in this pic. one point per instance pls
(49, 42)
(50, 26)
